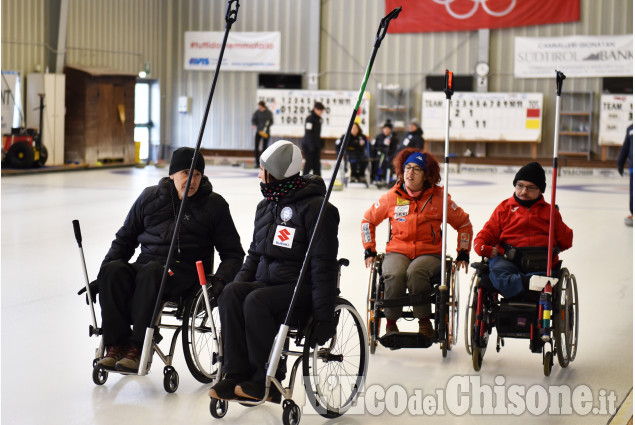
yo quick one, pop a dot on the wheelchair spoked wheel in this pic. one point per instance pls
(566, 318)
(201, 343)
(452, 325)
(479, 343)
(470, 314)
(335, 372)
(218, 408)
(374, 322)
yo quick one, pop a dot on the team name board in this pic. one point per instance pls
(505, 117)
(616, 114)
(291, 107)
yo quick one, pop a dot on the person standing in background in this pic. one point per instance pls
(261, 121)
(627, 153)
(312, 143)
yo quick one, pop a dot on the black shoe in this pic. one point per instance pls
(255, 390)
(224, 390)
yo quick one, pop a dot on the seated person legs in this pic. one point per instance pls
(506, 277)
(251, 314)
(128, 295)
(401, 273)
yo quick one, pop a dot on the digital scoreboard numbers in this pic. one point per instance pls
(291, 107)
(505, 117)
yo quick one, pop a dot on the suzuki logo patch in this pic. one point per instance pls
(284, 236)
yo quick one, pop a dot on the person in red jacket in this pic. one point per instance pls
(414, 208)
(521, 221)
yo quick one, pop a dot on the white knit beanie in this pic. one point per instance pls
(282, 159)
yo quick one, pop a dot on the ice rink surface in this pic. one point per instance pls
(46, 357)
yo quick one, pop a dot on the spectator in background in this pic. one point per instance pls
(627, 153)
(261, 122)
(382, 148)
(312, 143)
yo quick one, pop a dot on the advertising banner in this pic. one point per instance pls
(576, 56)
(244, 51)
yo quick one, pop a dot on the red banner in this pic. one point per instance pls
(469, 15)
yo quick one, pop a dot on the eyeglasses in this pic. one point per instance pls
(521, 186)
(414, 169)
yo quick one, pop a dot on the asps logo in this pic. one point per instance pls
(199, 61)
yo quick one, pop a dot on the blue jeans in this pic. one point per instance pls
(507, 278)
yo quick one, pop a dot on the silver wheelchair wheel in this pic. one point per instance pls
(201, 339)
(334, 373)
(566, 318)
(470, 314)
(454, 300)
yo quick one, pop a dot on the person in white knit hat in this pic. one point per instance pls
(254, 305)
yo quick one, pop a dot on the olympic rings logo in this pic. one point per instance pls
(448, 3)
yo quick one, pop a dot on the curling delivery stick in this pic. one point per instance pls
(278, 345)
(144, 362)
(93, 329)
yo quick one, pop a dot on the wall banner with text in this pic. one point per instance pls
(244, 51)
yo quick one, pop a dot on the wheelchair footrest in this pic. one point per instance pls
(397, 340)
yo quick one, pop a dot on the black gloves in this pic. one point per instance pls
(463, 255)
(369, 253)
(323, 330)
(94, 289)
(216, 285)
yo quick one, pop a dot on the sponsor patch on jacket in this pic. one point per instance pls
(402, 201)
(366, 233)
(401, 219)
(465, 241)
(284, 236)
(453, 206)
(401, 210)
(308, 125)
(376, 204)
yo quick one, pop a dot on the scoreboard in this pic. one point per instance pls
(616, 114)
(291, 107)
(493, 116)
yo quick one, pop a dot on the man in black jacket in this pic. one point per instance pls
(128, 291)
(312, 142)
(256, 303)
(261, 122)
(626, 153)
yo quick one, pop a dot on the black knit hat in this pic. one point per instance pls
(532, 172)
(182, 160)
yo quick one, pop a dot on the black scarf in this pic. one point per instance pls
(280, 188)
(527, 204)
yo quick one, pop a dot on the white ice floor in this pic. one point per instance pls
(46, 357)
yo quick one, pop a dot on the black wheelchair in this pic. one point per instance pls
(333, 373)
(200, 341)
(445, 315)
(523, 316)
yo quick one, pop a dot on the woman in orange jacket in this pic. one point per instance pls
(414, 208)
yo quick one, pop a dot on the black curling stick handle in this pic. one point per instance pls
(78, 233)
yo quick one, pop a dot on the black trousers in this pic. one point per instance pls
(265, 143)
(251, 314)
(128, 294)
(312, 162)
